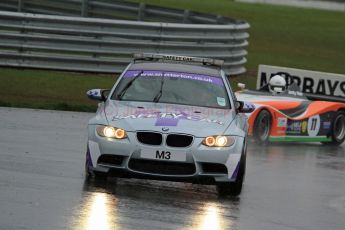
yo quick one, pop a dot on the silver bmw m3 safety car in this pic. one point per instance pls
(170, 118)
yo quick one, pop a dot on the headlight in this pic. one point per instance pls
(111, 132)
(219, 141)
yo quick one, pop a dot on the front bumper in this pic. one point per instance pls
(202, 164)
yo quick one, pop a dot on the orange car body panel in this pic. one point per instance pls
(280, 118)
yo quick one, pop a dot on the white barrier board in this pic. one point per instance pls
(313, 82)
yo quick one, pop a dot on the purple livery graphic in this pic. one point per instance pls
(167, 119)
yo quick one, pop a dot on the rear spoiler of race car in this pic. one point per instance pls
(176, 58)
(320, 97)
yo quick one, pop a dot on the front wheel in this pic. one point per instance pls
(337, 129)
(262, 127)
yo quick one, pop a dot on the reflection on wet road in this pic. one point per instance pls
(287, 186)
(153, 204)
(98, 212)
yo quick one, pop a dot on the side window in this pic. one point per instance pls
(233, 96)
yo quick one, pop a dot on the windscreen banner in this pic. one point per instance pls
(312, 82)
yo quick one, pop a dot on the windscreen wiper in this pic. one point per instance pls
(123, 91)
(159, 94)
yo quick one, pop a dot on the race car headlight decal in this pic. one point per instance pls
(219, 141)
(111, 132)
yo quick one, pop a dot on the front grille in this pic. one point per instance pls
(214, 168)
(179, 140)
(149, 138)
(109, 159)
(162, 167)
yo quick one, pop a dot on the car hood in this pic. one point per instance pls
(160, 117)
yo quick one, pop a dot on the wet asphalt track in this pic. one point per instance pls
(291, 186)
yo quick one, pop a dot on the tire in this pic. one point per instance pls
(100, 176)
(234, 188)
(262, 127)
(337, 129)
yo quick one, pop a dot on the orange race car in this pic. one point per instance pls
(286, 114)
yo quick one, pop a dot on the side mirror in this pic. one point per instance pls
(244, 107)
(98, 94)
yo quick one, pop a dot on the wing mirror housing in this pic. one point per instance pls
(98, 94)
(244, 107)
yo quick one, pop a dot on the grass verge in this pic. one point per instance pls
(50, 89)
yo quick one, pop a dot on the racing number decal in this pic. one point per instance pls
(163, 155)
(314, 125)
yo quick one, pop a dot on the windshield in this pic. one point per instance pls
(172, 87)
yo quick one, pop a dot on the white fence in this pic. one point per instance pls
(325, 5)
(106, 45)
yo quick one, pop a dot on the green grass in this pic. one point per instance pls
(50, 89)
(279, 35)
(40, 89)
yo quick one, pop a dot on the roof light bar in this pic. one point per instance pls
(151, 56)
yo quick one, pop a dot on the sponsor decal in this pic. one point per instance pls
(313, 82)
(282, 121)
(249, 105)
(295, 93)
(326, 124)
(221, 101)
(293, 127)
(177, 58)
(93, 92)
(167, 119)
(189, 76)
(304, 126)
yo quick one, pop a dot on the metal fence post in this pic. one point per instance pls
(84, 8)
(20, 5)
(141, 12)
(186, 14)
(220, 19)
